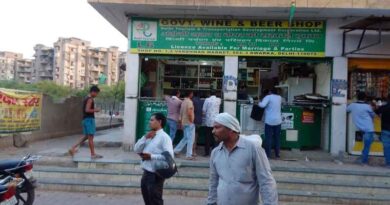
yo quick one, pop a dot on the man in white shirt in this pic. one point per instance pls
(273, 121)
(150, 147)
(210, 109)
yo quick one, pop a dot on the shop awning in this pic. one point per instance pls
(372, 23)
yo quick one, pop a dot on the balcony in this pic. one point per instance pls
(45, 60)
(94, 68)
(45, 74)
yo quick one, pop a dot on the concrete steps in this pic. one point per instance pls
(331, 174)
(76, 185)
(201, 179)
(295, 184)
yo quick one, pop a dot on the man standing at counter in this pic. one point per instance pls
(362, 117)
(198, 105)
(173, 104)
(272, 103)
(186, 119)
(210, 109)
(384, 112)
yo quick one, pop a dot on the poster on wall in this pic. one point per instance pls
(287, 121)
(339, 88)
(20, 111)
(304, 38)
(229, 83)
(308, 117)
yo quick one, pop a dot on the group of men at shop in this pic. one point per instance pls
(363, 114)
(191, 115)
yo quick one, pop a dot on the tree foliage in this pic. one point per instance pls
(57, 92)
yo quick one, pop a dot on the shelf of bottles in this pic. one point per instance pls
(192, 77)
(375, 84)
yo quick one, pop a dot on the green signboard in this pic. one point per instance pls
(228, 37)
(145, 110)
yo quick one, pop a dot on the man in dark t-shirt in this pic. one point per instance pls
(89, 126)
(384, 112)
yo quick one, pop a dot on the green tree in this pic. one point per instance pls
(107, 94)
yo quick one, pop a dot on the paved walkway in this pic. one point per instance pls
(56, 150)
(71, 198)
(66, 198)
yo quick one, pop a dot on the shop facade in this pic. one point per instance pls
(186, 45)
(232, 58)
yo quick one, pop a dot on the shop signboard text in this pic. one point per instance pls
(228, 37)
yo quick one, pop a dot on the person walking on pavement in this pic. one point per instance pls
(88, 123)
(173, 104)
(210, 109)
(198, 105)
(384, 112)
(362, 117)
(186, 118)
(272, 103)
(150, 147)
(239, 169)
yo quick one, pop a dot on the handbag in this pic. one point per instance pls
(170, 167)
(257, 112)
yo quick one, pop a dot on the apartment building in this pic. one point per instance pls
(103, 63)
(43, 63)
(24, 70)
(70, 60)
(122, 60)
(77, 64)
(8, 62)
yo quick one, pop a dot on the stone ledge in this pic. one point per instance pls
(358, 4)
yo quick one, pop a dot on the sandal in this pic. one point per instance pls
(96, 156)
(71, 152)
(190, 158)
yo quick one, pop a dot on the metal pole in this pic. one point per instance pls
(113, 106)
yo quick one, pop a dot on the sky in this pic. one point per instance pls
(25, 23)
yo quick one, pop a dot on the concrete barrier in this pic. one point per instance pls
(59, 119)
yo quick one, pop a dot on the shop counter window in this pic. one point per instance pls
(371, 76)
(304, 85)
(161, 75)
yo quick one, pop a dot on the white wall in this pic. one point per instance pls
(231, 69)
(334, 42)
(131, 99)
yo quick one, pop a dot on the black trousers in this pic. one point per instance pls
(209, 140)
(152, 188)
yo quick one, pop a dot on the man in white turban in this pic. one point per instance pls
(239, 169)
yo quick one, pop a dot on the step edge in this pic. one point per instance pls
(196, 176)
(274, 168)
(377, 197)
